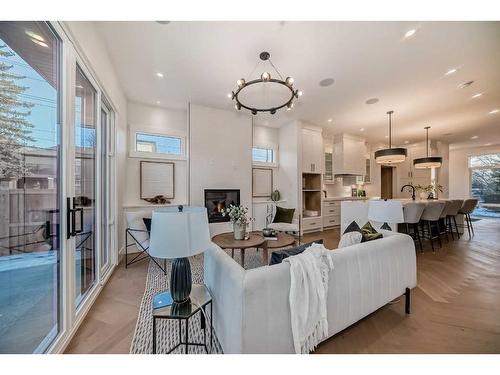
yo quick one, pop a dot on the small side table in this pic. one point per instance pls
(200, 298)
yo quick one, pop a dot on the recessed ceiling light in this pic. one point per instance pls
(474, 137)
(410, 33)
(406, 142)
(326, 82)
(451, 71)
(494, 111)
(488, 144)
(362, 129)
(157, 102)
(163, 22)
(330, 120)
(372, 101)
(477, 95)
(465, 84)
(159, 75)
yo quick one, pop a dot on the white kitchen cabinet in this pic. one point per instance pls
(408, 174)
(349, 155)
(312, 151)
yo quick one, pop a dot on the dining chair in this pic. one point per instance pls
(412, 212)
(466, 209)
(430, 217)
(443, 230)
(456, 205)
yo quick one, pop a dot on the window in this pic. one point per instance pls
(485, 184)
(159, 144)
(263, 155)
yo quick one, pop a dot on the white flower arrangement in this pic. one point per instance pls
(237, 214)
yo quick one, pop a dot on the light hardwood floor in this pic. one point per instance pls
(455, 307)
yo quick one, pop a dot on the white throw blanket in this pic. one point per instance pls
(308, 292)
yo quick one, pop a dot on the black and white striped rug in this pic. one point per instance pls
(167, 331)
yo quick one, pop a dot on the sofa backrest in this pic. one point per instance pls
(252, 310)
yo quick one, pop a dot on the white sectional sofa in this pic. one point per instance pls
(252, 310)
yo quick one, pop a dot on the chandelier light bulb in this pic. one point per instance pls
(299, 93)
(230, 96)
(265, 76)
(254, 112)
(289, 81)
(241, 82)
(237, 106)
(289, 106)
(273, 111)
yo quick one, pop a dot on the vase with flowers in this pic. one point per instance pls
(238, 216)
(427, 191)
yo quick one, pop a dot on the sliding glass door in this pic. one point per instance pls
(57, 227)
(85, 198)
(30, 189)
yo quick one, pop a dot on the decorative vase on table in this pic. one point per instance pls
(238, 217)
(239, 231)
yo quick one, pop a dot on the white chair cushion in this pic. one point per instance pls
(350, 238)
(135, 221)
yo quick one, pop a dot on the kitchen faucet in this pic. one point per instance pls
(412, 190)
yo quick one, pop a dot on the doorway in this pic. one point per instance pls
(386, 182)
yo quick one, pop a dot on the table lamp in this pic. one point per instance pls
(178, 233)
(385, 211)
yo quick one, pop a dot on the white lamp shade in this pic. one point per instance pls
(382, 211)
(177, 234)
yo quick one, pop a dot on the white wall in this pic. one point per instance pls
(220, 155)
(459, 169)
(88, 40)
(156, 120)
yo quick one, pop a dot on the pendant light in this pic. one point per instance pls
(429, 161)
(390, 155)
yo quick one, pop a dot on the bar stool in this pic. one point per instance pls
(466, 209)
(412, 212)
(444, 229)
(456, 205)
(431, 214)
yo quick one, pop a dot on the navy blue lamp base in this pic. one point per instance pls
(180, 280)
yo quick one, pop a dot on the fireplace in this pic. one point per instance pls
(218, 199)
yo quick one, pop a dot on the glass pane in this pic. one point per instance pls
(85, 172)
(484, 160)
(104, 189)
(158, 143)
(262, 155)
(29, 187)
(485, 187)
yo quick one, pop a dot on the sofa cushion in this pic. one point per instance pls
(369, 233)
(278, 256)
(350, 238)
(283, 215)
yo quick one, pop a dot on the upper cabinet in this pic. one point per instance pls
(349, 155)
(312, 150)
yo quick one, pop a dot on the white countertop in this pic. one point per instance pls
(345, 198)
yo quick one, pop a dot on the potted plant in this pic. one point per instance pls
(237, 217)
(427, 191)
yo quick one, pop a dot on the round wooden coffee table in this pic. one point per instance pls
(283, 240)
(227, 241)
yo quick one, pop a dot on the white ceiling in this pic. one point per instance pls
(201, 62)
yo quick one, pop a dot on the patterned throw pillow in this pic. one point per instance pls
(369, 233)
(278, 256)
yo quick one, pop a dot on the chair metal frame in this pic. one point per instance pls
(143, 253)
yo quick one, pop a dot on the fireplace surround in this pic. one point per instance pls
(218, 199)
